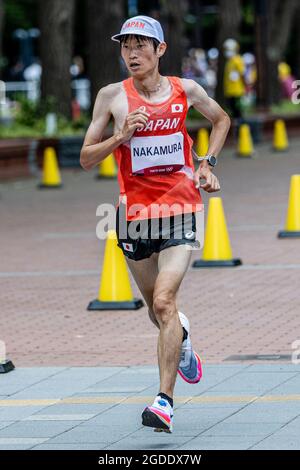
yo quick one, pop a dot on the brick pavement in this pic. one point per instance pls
(51, 262)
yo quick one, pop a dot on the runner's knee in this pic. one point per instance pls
(153, 317)
(164, 307)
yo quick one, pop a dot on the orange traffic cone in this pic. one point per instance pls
(217, 249)
(292, 225)
(115, 290)
(5, 364)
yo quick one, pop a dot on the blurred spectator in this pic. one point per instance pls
(80, 87)
(234, 82)
(187, 68)
(16, 72)
(250, 78)
(212, 71)
(286, 79)
(202, 67)
(33, 72)
(199, 66)
(77, 68)
(213, 56)
(200, 61)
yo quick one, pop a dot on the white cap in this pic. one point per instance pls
(142, 26)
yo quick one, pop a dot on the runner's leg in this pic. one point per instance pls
(172, 265)
(145, 273)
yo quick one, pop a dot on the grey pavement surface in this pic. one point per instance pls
(235, 406)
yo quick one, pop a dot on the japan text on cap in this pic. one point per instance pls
(142, 26)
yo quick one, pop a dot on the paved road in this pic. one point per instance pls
(233, 407)
(83, 378)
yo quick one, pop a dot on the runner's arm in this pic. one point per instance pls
(220, 120)
(210, 109)
(93, 150)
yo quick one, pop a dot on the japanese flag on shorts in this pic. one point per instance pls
(128, 246)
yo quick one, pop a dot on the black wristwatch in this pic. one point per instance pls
(212, 161)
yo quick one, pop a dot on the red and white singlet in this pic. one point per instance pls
(156, 165)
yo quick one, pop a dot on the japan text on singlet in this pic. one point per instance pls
(156, 165)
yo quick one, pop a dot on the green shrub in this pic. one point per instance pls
(30, 121)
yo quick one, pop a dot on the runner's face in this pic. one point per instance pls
(139, 56)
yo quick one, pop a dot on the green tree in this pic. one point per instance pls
(172, 16)
(274, 20)
(1, 33)
(281, 16)
(297, 33)
(56, 20)
(229, 22)
(104, 19)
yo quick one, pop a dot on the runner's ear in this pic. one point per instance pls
(161, 49)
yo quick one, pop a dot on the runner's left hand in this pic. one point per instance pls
(211, 184)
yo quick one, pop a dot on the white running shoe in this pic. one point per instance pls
(159, 415)
(190, 367)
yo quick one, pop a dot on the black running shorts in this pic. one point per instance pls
(139, 239)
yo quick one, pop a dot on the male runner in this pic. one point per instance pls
(153, 151)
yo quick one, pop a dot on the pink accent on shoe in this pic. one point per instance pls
(162, 415)
(199, 375)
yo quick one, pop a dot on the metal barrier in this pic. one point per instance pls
(31, 89)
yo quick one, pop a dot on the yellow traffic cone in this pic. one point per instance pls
(217, 249)
(5, 364)
(202, 142)
(292, 225)
(114, 291)
(245, 143)
(107, 168)
(51, 175)
(280, 140)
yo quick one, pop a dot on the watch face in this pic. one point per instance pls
(212, 160)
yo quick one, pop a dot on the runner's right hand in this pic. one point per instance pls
(135, 120)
